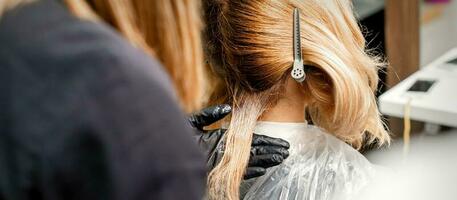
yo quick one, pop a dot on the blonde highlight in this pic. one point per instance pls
(224, 180)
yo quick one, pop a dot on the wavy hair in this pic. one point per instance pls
(249, 44)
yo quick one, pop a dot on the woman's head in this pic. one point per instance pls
(250, 47)
(167, 29)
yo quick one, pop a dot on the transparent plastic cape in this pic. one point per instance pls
(319, 167)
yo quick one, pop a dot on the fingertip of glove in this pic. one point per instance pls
(285, 153)
(253, 172)
(277, 158)
(282, 143)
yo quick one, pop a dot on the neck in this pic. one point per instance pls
(290, 107)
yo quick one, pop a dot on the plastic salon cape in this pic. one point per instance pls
(319, 167)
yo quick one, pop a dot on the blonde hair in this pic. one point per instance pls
(250, 47)
(173, 29)
(166, 29)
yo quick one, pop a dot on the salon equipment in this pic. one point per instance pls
(298, 71)
(432, 92)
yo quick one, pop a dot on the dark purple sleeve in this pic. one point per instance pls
(133, 142)
(88, 115)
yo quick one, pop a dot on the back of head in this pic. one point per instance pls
(250, 48)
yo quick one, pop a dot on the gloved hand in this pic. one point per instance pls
(265, 151)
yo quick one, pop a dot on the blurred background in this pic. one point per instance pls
(418, 91)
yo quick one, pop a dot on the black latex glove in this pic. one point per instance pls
(265, 151)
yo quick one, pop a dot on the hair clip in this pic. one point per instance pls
(298, 71)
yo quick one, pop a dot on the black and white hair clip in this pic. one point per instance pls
(298, 71)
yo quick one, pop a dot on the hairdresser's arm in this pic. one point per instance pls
(133, 141)
(265, 151)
